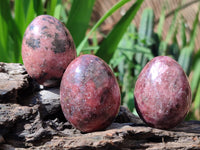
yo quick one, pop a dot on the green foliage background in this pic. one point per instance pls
(126, 49)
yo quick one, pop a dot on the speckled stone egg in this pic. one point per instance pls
(47, 49)
(162, 93)
(89, 94)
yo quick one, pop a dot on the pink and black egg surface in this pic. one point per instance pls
(162, 93)
(89, 94)
(47, 49)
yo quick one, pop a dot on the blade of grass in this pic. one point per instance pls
(79, 18)
(20, 15)
(172, 31)
(194, 29)
(12, 29)
(51, 5)
(174, 51)
(20, 20)
(161, 23)
(145, 34)
(101, 20)
(195, 77)
(196, 73)
(174, 39)
(3, 57)
(94, 39)
(186, 54)
(38, 8)
(12, 51)
(185, 59)
(173, 25)
(58, 9)
(197, 98)
(3, 27)
(110, 43)
(146, 27)
(63, 15)
(162, 48)
(138, 49)
(4, 30)
(183, 33)
(90, 48)
(128, 41)
(30, 13)
(28, 10)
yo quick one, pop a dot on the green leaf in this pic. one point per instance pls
(3, 57)
(125, 50)
(25, 12)
(128, 41)
(196, 73)
(20, 20)
(145, 34)
(162, 49)
(110, 43)
(79, 18)
(146, 28)
(194, 29)
(185, 58)
(38, 8)
(183, 33)
(197, 98)
(14, 34)
(101, 20)
(186, 54)
(58, 10)
(174, 51)
(138, 49)
(51, 5)
(161, 23)
(174, 39)
(172, 27)
(20, 15)
(30, 13)
(3, 28)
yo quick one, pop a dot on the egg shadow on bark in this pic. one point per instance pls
(192, 126)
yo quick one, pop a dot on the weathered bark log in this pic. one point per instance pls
(35, 121)
(13, 79)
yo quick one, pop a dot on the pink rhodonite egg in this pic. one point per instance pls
(47, 49)
(162, 93)
(89, 94)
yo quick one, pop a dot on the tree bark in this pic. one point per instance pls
(31, 118)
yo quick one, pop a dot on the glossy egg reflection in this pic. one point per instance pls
(90, 95)
(162, 93)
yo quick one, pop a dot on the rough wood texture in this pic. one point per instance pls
(31, 118)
